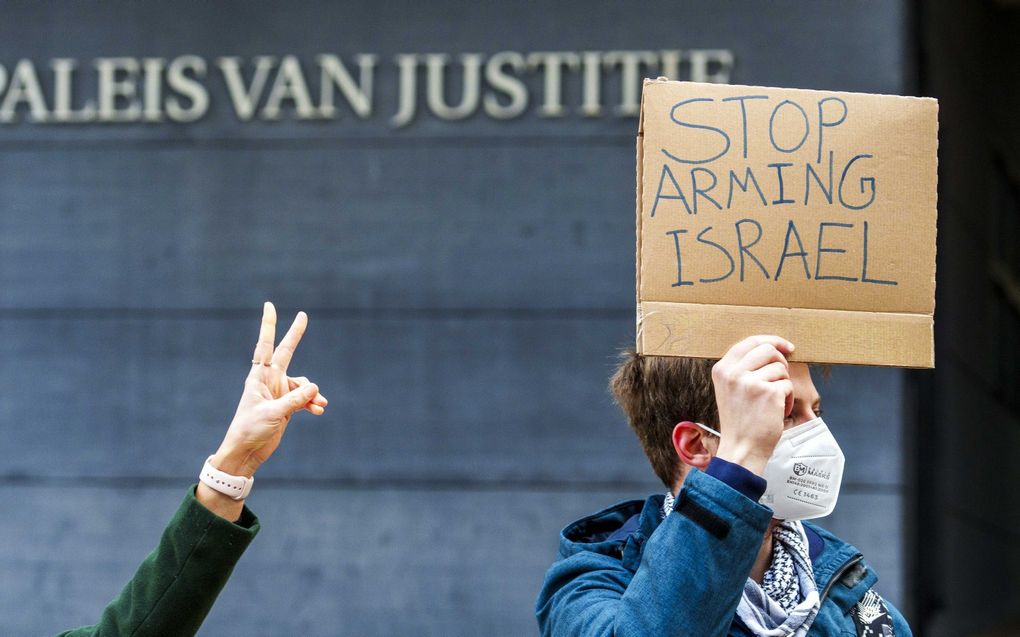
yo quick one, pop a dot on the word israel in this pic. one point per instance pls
(504, 85)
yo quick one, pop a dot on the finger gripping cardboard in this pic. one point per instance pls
(807, 214)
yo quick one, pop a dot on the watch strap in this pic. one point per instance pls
(237, 487)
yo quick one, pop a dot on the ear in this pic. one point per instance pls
(689, 444)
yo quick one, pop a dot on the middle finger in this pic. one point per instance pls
(762, 355)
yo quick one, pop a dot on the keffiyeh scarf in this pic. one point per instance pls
(786, 602)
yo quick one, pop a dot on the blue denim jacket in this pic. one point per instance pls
(626, 572)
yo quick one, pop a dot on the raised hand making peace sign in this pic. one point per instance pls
(175, 586)
(269, 400)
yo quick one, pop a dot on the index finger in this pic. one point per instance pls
(267, 335)
(738, 351)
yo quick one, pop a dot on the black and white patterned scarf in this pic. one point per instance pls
(786, 602)
(780, 582)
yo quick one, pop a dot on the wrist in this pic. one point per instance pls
(233, 461)
(219, 503)
(744, 455)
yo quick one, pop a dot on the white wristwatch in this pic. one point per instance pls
(237, 487)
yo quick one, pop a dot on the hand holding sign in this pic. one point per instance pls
(754, 393)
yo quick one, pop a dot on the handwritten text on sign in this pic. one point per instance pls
(693, 182)
(785, 198)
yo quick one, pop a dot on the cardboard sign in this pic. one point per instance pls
(807, 214)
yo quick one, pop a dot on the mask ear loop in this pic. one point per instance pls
(691, 456)
(709, 429)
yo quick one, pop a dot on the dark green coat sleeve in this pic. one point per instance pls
(176, 585)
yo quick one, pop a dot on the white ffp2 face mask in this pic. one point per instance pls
(804, 472)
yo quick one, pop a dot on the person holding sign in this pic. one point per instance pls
(746, 457)
(175, 586)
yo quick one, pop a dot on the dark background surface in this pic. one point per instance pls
(469, 284)
(967, 512)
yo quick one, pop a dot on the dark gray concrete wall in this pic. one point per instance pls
(468, 284)
(968, 563)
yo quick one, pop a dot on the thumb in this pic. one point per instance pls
(296, 399)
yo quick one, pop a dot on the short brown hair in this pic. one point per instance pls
(657, 392)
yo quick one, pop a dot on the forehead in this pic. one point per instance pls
(803, 387)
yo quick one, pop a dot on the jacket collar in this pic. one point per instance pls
(622, 529)
(840, 570)
(619, 531)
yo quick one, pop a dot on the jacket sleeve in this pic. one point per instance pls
(690, 579)
(176, 585)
